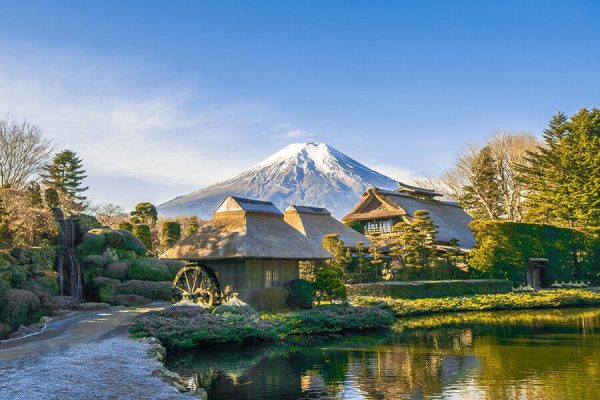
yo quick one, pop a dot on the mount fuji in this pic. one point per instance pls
(312, 174)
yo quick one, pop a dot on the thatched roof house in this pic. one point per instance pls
(315, 222)
(379, 210)
(249, 247)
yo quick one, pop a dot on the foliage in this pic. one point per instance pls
(102, 289)
(65, 175)
(563, 176)
(170, 233)
(22, 224)
(34, 195)
(329, 278)
(92, 243)
(116, 270)
(486, 180)
(144, 213)
(143, 233)
(190, 326)
(332, 318)
(21, 307)
(193, 225)
(125, 225)
(87, 222)
(51, 198)
(151, 290)
(23, 152)
(93, 266)
(424, 289)
(302, 293)
(130, 242)
(376, 254)
(357, 226)
(149, 269)
(174, 266)
(506, 301)
(110, 214)
(503, 250)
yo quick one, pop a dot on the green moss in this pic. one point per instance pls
(132, 243)
(149, 269)
(126, 255)
(116, 270)
(92, 243)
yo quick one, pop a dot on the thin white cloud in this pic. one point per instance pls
(166, 133)
(395, 172)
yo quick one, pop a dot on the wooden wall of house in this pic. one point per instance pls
(259, 282)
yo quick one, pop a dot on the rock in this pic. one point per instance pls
(116, 270)
(201, 393)
(64, 302)
(156, 348)
(22, 331)
(91, 306)
(172, 378)
(45, 320)
(130, 300)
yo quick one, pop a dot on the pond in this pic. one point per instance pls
(539, 354)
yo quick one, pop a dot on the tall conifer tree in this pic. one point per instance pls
(65, 175)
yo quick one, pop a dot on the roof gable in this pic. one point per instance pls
(236, 204)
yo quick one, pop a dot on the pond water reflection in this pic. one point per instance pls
(541, 354)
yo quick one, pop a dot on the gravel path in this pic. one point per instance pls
(83, 356)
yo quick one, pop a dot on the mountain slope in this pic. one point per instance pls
(312, 174)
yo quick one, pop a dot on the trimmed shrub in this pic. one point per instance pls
(125, 225)
(5, 330)
(151, 290)
(302, 293)
(503, 249)
(504, 301)
(425, 289)
(149, 269)
(173, 265)
(116, 270)
(103, 289)
(92, 266)
(132, 243)
(170, 233)
(333, 318)
(21, 307)
(92, 243)
(357, 226)
(190, 326)
(127, 255)
(87, 222)
(143, 233)
(130, 300)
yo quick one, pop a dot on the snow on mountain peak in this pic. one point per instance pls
(313, 174)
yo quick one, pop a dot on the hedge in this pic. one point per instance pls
(503, 249)
(427, 289)
(149, 269)
(20, 307)
(150, 290)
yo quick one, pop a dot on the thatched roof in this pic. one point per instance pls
(314, 223)
(451, 220)
(244, 228)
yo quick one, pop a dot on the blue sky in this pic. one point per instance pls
(161, 98)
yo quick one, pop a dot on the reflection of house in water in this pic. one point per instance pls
(379, 210)
(249, 247)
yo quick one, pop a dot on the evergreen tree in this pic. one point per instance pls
(142, 232)
(357, 226)
(34, 193)
(562, 177)
(329, 279)
(361, 261)
(376, 255)
(51, 198)
(65, 175)
(144, 213)
(170, 233)
(482, 198)
(193, 226)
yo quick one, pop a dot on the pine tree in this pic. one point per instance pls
(193, 226)
(170, 233)
(144, 213)
(376, 255)
(562, 178)
(482, 198)
(34, 193)
(51, 198)
(361, 261)
(65, 175)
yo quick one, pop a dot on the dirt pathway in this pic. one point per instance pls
(83, 356)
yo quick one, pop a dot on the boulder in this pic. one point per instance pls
(92, 306)
(64, 302)
(130, 300)
(103, 288)
(116, 270)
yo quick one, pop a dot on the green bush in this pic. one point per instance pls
(149, 269)
(103, 289)
(92, 243)
(357, 226)
(170, 233)
(21, 307)
(143, 233)
(503, 249)
(333, 318)
(125, 225)
(301, 293)
(191, 326)
(87, 222)
(503, 301)
(425, 289)
(116, 270)
(132, 243)
(148, 289)
(93, 265)
(173, 265)
(126, 255)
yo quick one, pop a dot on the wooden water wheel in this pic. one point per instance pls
(198, 284)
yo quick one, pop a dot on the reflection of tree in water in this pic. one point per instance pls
(536, 354)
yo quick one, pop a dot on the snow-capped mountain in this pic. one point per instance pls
(312, 174)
